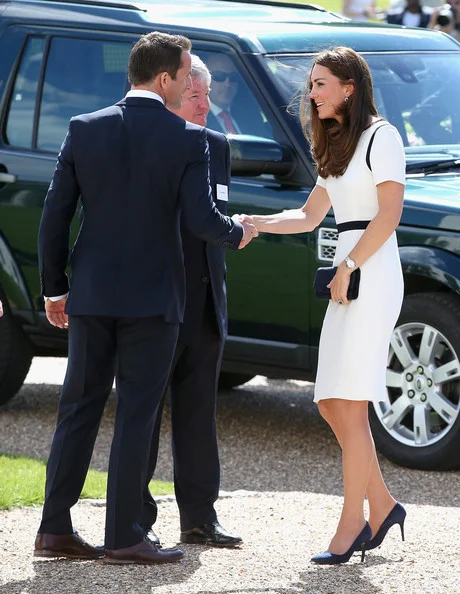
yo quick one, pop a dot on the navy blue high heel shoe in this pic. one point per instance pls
(360, 544)
(396, 516)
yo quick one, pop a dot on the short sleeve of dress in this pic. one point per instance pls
(321, 181)
(387, 158)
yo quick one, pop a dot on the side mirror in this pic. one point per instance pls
(254, 155)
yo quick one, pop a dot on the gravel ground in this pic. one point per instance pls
(282, 485)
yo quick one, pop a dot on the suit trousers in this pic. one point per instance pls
(193, 390)
(139, 353)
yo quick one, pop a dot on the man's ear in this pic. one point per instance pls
(163, 78)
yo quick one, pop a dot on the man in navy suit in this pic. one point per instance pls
(136, 167)
(196, 365)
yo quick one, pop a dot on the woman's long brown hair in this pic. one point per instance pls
(333, 144)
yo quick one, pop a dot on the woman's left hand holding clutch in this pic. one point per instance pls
(339, 285)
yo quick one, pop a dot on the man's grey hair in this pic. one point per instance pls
(200, 72)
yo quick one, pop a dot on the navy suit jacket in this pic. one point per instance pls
(204, 261)
(139, 170)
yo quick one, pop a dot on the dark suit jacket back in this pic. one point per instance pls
(137, 167)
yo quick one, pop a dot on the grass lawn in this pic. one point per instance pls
(23, 482)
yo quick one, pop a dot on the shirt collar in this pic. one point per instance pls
(145, 94)
(216, 110)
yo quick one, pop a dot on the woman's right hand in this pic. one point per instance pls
(294, 220)
(250, 230)
(244, 218)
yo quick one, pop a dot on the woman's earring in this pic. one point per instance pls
(346, 99)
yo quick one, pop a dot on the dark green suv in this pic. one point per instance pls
(61, 58)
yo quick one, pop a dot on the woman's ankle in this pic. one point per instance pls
(351, 523)
(381, 506)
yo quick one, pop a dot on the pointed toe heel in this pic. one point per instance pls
(396, 516)
(360, 544)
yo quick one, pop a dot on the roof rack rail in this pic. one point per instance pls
(108, 3)
(283, 4)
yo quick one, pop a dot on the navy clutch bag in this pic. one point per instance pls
(324, 276)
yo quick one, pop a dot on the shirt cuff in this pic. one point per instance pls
(57, 298)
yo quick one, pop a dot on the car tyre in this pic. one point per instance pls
(15, 355)
(420, 425)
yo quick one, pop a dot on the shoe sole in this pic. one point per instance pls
(190, 539)
(48, 554)
(126, 562)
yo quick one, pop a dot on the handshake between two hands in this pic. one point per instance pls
(250, 230)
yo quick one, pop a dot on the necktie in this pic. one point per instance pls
(227, 121)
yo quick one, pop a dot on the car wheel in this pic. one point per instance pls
(227, 381)
(15, 356)
(419, 425)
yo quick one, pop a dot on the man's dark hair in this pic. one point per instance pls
(155, 53)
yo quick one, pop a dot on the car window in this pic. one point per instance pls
(417, 93)
(234, 108)
(82, 75)
(20, 122)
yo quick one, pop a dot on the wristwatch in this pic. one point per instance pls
(350, 263)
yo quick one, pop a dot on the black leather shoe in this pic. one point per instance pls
(152, 537)
(210, 534)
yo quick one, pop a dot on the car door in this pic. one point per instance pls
(58, 75)
(269, 283)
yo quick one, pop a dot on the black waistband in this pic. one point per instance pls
(352, 225)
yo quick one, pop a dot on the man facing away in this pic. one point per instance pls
(136, 166)
(196, 365)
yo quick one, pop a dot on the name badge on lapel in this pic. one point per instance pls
(221, 192)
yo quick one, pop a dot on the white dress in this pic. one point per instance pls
(355, 337)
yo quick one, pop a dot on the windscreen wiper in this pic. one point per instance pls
(432, 166)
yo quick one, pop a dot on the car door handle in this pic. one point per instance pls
(7, 178)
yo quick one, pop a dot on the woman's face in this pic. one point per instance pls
(328, 93)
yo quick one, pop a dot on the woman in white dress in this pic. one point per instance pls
(367, 201)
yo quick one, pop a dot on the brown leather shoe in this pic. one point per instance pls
(70, 546)
(145, 552)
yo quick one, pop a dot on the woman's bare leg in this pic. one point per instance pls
(380, 499)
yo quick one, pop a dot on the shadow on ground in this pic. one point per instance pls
(271, 439)
(96, 577)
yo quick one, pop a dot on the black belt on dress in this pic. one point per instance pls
(352, 225)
